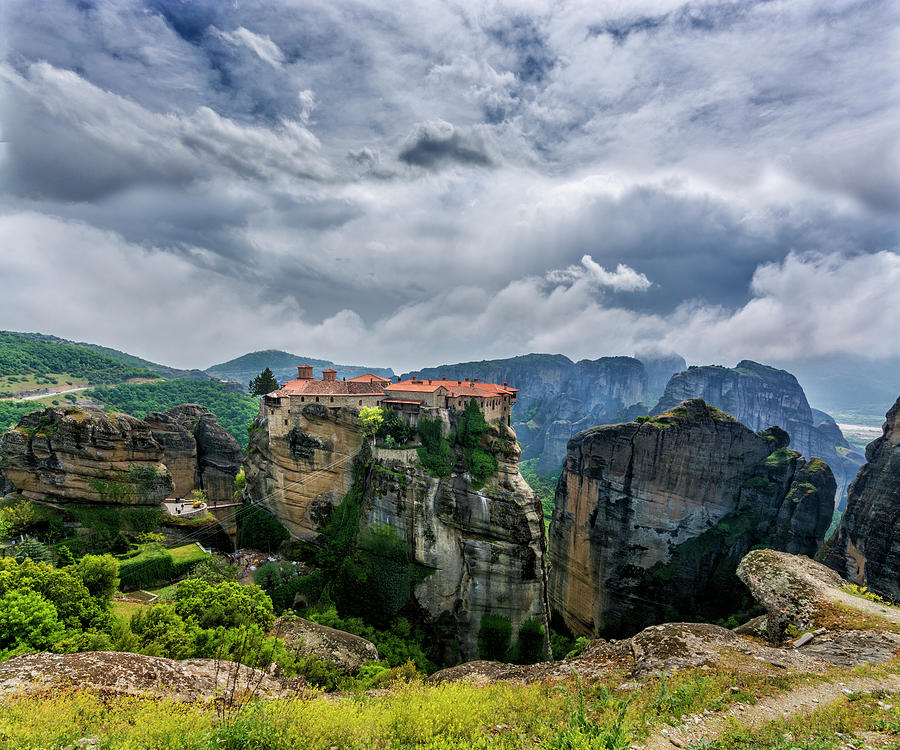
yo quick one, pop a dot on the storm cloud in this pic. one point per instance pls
(452, 180)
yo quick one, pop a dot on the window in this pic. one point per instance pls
(317, 399)
(360, 402)
(303, 398)
(285, 423)
(332, 399)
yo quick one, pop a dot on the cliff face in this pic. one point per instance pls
(866, 546)
(558, 397)
(760, 396)
(482, 548)
(86, 455)
(652, 517)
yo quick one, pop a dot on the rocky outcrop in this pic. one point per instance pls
(199, 452)
(85, 455)
(344, 650)
(760, 396)
(558, 397)
(483, 547)
(300, 471)
(476, 549)
(653, 516)
(866, 546)
(119, 673)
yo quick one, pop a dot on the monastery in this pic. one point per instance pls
(409, 398)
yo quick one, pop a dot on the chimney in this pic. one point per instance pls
(329, 375)
(444, 378)
(467, 380)
(505, 384)
(304, 372)
(476, 380)
(429, 382)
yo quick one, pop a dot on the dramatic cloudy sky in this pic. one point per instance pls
(405, 184)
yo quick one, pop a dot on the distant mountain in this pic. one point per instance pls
(761, 396)
(163, 371)
(558, 397)
(854, 388)
(284, 367)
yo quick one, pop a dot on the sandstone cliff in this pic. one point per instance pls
(652, 517)
(866, 546)
(199, 452)
(760, 396)
(480, 549)
(558, 397)
(86, 455)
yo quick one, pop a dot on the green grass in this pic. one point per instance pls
(187, 553)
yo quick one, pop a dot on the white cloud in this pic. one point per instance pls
(261, 44)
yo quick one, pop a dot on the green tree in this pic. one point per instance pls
(32, 549)
(223, 604)
(494, 636)
(27, 620)
(370, 419)
(64, 556)
(263, 383)
(100, 574)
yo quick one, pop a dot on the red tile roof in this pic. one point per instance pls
(304, 387)
(368, 378)
(454, 388)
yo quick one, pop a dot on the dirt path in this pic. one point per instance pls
(802, 700)
(44, 394)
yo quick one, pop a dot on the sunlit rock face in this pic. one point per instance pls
(760, 396)
(478, 548)
(866, 546)
(653, 516)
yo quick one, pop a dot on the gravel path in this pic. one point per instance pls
(802, 700)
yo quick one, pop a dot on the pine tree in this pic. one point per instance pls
(263, 383)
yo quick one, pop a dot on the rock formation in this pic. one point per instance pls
(199, 452)
(558, 397)
(118, 673)
(652, 516)
(866, 546)
(86, 455)
(481, 549)
(760, 396)
(344, 650)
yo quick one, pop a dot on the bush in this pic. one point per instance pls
(273, 575)
(27, 621)
(435, 453)
(31, 549)
(260, 530)
(494, 636)
(531, 641)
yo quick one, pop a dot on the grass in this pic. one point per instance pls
(836, 725)
(187, 553)
(124, 610)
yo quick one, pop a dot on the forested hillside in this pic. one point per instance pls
(235, 411)
(27, 361)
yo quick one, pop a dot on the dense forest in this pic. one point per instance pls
(235, 411)
(23, 355)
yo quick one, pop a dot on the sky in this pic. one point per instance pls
(409, 184)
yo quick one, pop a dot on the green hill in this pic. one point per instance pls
(28, 363)
(284, 367)
(129, 359)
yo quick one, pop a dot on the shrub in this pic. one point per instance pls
(32, 549)
(494, 635)
(260, 530)
(530, 643)
(27, 621)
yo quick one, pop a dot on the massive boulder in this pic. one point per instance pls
(652, 517)
(82, 454)
(125, 674)
(866, 546)
(346, 651)
(760, 396)
(85, 455)
(475, 548)
(200, 453)
(558, 397)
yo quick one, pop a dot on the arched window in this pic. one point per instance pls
(332, 399)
